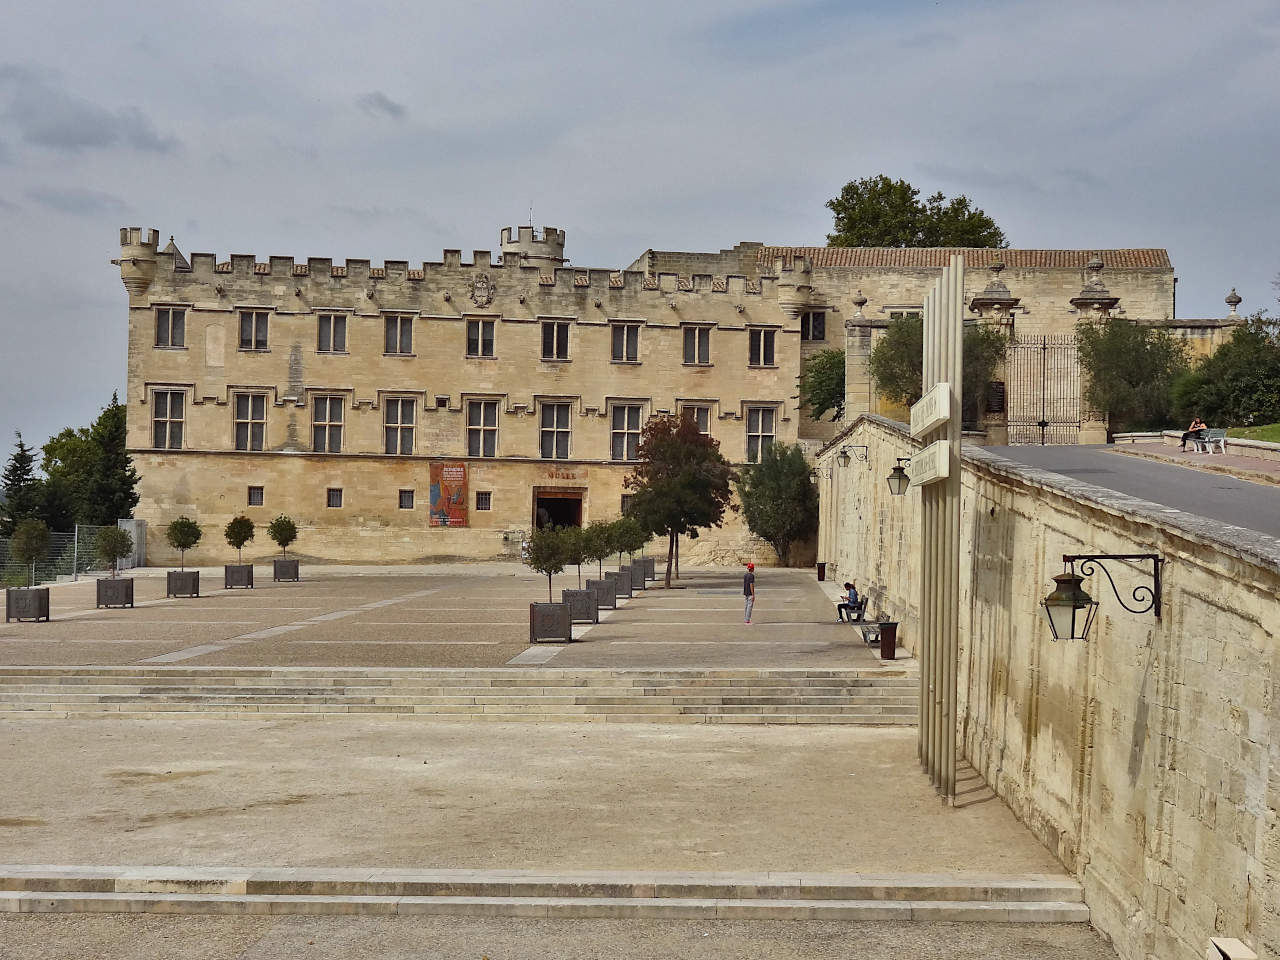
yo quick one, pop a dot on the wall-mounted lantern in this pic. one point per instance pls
(860, 453)
(1071, 611)
(898, 479)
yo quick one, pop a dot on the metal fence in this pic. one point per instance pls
(69, 555)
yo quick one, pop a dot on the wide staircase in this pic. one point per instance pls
(886, 696)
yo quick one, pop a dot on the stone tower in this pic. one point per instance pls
(137, 259)
(524, 246)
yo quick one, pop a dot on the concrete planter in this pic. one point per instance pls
(637, 577)
(284, 570)
(650, 568)
(606, 593)
(182, 583)
(26, 603)
(549, 621)
(237, 575)
(115, 592)
(582, 604)
(622, 580)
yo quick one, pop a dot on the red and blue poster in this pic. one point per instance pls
(448, 494)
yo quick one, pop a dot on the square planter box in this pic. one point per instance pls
(182, 583)
(26, 603)
(115, 592)
(584, 605)
(549, 621)
(650, 568)
(237, 575)
(284, 570)
(606, 593)
(622, 581)
(637, 577)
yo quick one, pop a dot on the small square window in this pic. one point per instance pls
(484, 499)
(255, 496)
(442, 403)
(334, 497)
(813, 325)
(406, 499)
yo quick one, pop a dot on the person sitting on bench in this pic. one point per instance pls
(1194, 432)
(852, 605)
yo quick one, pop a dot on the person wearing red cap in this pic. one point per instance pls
(749, 591)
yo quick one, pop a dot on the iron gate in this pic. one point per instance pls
(1043, 388)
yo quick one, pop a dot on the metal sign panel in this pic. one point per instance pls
(931, 464)
(932, 410)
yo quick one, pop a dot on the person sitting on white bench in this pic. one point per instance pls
(1194, 431)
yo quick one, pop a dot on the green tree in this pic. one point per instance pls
(822, 383)
(283, 531)
(682, 482)
(238, 531)
(22, 494)
(626, 535)
(183, 534)
(112, 492)
(70, 464)
(879, 212)
(574, 546)
(57, 505)
(779, 499)
(1129, 372)
(546, 553)
(29, 545)
(597, 544)
(113, 545)
(1239, 385)
(985, 348)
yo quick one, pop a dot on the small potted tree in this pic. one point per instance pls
(283, 531)
(183, 534)
(29, 543)
(238, 531)
(546, 555)
(113, 545)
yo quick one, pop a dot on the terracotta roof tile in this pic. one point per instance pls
(301, 270)
(222, 267)
(261, 269)
(650, 283)
(615, 281)
(377, 273)
(975, 257)
(581, 280)
(336, 271)
(416, 274)
(719, 286)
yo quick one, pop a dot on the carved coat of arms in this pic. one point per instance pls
(482, 290)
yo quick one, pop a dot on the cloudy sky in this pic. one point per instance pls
(385, 130)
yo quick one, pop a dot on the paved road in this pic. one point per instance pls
(1254, 506)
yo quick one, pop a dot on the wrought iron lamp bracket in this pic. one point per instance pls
(1146, 598)
(858, 452)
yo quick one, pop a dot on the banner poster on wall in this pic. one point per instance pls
(448, 494)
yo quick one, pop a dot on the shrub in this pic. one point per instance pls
(546, 553)
(183, 534)
(113, 545)
(29, 544)
(239, 531)
(283, 531)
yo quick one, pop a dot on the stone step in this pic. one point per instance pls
(531, 678)
(641, 704)
(131, 712)
(392, 673)
(460, 691)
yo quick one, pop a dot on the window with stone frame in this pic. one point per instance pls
(397, 425)
(326, 424)
(331, 333)
(699, 413)
(555, 340)
(625, 342)
(760, 347)
(479, 338)
(255, 498)
(167, 419)
(697, 345)
(624, 433)
(333, 497)
(482, 428)
(398, 335)
(484, 499)
(627, 499)
(406, 499)
(813, 325)
(250, 420)
(553, 433)
(761, 430)
(253, 329)
(171, 327)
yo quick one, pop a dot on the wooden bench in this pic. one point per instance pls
(1208, 439)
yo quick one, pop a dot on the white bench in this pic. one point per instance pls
(1209, 439)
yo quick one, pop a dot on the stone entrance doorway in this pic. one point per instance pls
(557, 506)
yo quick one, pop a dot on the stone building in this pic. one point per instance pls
(400, 413)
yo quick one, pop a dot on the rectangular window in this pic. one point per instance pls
(626, 342)
(251, 420)
(333, 497)
(167, 419)
(253, 329)
(700, 414)
(555, 431)
(813, 325)
(171, 327)
(332, 333)
(555, 340)
(482, 428)
(398, 426)
(760, 431)
(484, 499)
(406, 499)
(761, 344)
(625, 433)
(697, 344)
(399, 336)
(626, 501)
(442, 403)
(326, 424)
(255, 496)
(479, 338)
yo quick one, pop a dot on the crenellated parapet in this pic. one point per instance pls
(139, 250)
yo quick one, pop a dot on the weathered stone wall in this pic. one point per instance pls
(1146, 758)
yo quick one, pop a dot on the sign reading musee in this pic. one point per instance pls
(932, 410)
(932, 463)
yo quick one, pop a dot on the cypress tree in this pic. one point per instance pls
(22, 495)
(113, 495)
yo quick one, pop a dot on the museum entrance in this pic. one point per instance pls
(560, 508)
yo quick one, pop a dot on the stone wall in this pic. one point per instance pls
(1144, 757)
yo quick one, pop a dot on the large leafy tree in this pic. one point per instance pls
(779, 500)
(879, 212)
(822, 383)
(1129, 372)
(113, 493)
(22, 488)
(1239, 385)
(682, 482)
